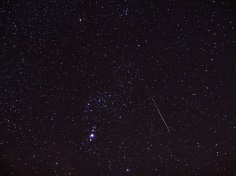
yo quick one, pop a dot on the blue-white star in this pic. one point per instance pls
(91, 137)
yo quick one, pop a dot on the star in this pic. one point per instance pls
(128, 170)
(91, 137)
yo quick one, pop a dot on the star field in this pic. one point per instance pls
(117, 88)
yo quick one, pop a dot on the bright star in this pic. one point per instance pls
(91, 137)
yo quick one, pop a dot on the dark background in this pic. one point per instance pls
(69, 69)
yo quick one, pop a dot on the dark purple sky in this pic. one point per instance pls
(82, 81)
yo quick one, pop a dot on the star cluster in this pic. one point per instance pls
(117, 87)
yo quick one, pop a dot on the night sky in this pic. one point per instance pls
(117, 87)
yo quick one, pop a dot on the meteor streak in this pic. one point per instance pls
(159, 112)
